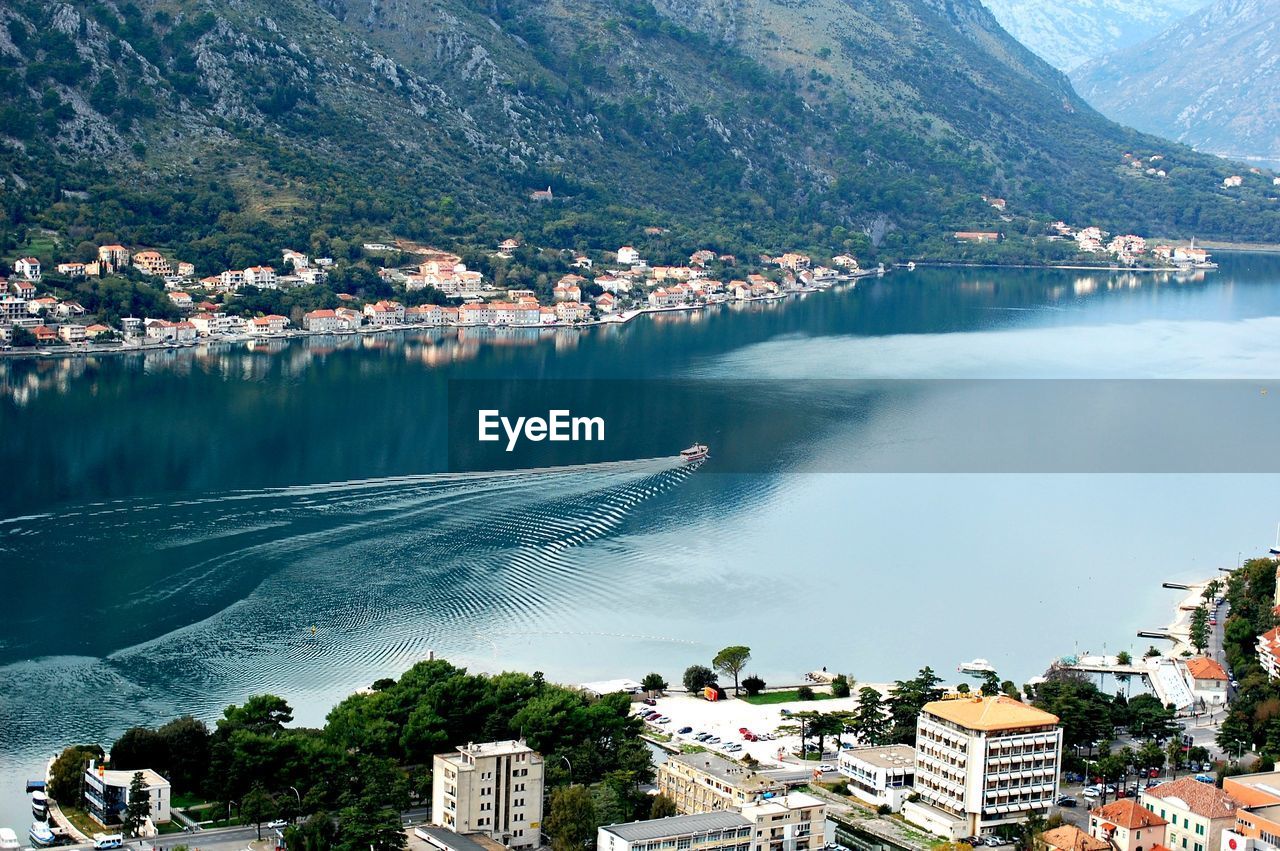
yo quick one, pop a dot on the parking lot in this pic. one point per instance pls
(724, 720)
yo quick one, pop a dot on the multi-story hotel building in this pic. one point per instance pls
(983, 762)
(493, 789)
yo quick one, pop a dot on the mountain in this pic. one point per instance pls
(1211, 81)
(228, 127)
(1070, 34)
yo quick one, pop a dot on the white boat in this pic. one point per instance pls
(41, 834)
(694, 453)
(8, 840)
(977, 666)
(39, 805)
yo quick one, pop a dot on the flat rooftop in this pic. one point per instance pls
(639, 831)
(885, 756)
(431, 838)
(726, 771)
(483, 749)
(125, 778)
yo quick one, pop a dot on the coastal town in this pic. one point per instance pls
(826, 763)
(37, 314)
(430, 288)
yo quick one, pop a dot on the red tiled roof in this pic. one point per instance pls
(1204, 668)
(1129, 814)
(1203, 799)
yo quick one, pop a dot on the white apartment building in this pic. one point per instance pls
(494, 789)
(983, 762)
(106, 794)
(880, 776)
(792, 822)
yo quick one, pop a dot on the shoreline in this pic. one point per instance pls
(949, 264)
(622, 318)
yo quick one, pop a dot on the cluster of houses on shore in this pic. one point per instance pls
(630, 284)
(1128, 248)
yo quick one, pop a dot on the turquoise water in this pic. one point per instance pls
(173, 525)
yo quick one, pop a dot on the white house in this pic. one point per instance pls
(628, 256)
(263, 277)
(27, 267)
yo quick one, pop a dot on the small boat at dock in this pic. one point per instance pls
(41, 834)
(39, 805)
(694, 453)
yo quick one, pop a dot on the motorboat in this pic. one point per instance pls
(977, 667)
(694, 453)
(8, 839)
(39, 805)
(41, 834)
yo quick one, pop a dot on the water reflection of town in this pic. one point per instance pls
(22, 380)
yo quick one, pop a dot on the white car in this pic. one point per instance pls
(278, 824)
(826, 766)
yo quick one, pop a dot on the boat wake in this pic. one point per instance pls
(249, 573)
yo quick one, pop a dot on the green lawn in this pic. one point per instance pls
(82, 821)
(187, 800)
(791, 696)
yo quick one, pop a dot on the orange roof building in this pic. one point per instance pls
(1127, 824)
(1068, 837)
(983, 762)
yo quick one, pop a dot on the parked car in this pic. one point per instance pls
(1073, 777)
(971, 840)
(1205, 778)
(733, 747)
(1153, 772)
(992, 841)
(1208, 766)
(1065, 801)
(743, 730)
(750, 737)
(684, 731)
(784, 712)
(714, 740)
(826, 766)
(1152, 782)
(649, 701)
(1092, 792)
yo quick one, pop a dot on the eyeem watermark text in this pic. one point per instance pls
(557, 426)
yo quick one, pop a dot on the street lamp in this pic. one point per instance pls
(295, 791)
(229, 803)
(566, 761)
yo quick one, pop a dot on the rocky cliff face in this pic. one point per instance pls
(1070, 34)
(1211, 81)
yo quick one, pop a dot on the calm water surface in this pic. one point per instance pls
(173, 526)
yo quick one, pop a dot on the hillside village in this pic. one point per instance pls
(36, 311)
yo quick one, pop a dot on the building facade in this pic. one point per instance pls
(715, 831)
(106, 794)
(1127, 825)
(793, 822)
(1197, 813)
(880, 776)
(494, 789)
(983, 762)
(704, 782)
